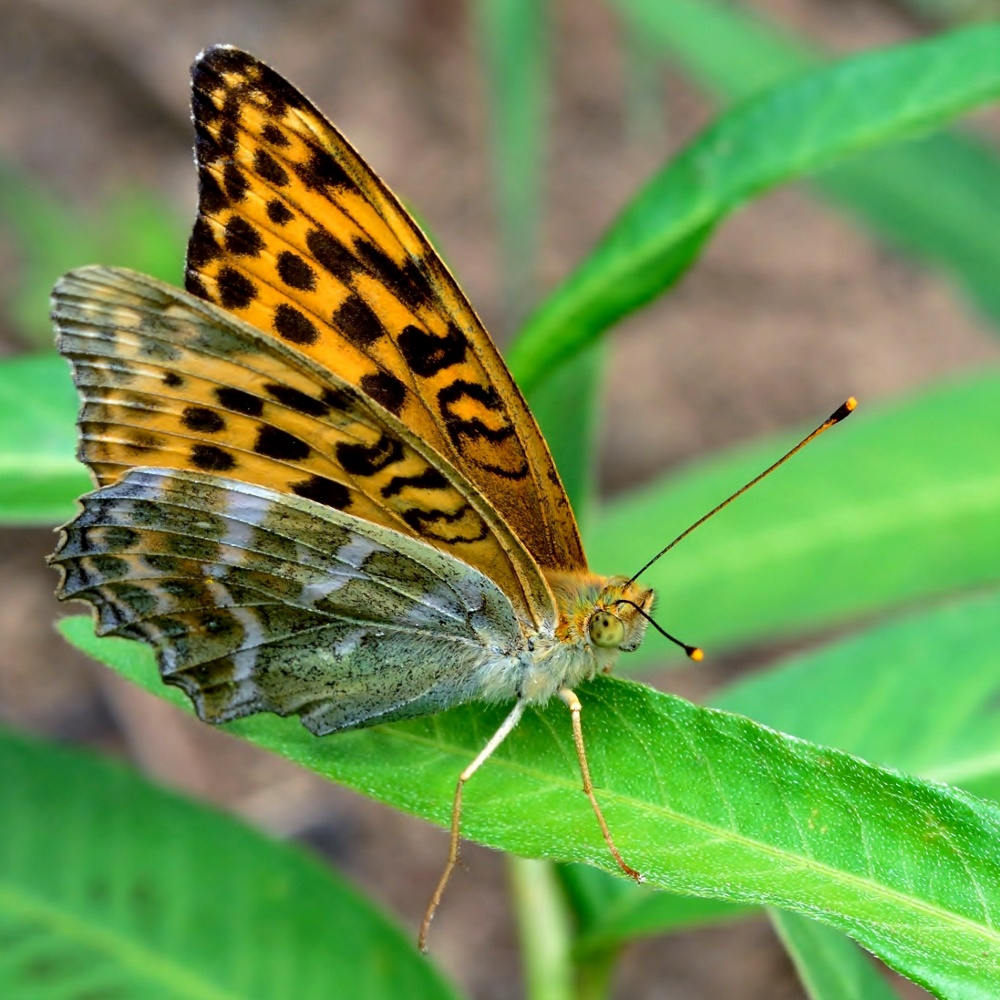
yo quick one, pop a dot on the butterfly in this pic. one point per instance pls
(319, 491)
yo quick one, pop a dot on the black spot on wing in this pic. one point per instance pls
(337, 399)
(209, 458)
(387, 390)
(296, 400)
(272, 442)
(324, 491)
(407, 283)
(206, 144)
(211, 198)
(322, 171)
(278, 212)
(364, 460)
(234, 182)
(428, 354)
(172, 380)
(358, 322)
(272, 134)
(242, 237)
(239, 401)
(427, 524)
(429, 479)
(463, 429)
(202, 420)
(195, 285)
(331, 254)
(139, 442)
(203, 109)
(293, 325)
(232, 106)
(202, 246)
(295, 272)
(267, 167)
(277, 91)
(236, 291)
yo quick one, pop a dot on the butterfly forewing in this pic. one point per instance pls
(257, 601)
(297, 236)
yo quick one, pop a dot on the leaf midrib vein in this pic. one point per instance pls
(146, 963)
(836, 875)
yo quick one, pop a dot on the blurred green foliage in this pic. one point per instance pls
(130, 228)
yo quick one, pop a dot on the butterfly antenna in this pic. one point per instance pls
(695, 653)
(844, 410)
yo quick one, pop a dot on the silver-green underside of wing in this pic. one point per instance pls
(259, 601)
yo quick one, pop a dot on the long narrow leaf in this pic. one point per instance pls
(112, 888)
(700, 801)
(799, 127)
(830, 967)
(934, 197)
(921, 694)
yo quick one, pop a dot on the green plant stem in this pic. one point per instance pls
(594, 974)
(543, 927)
(513, 40)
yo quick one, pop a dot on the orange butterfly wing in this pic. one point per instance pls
(298, 237)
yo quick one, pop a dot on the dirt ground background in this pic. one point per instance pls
(790, 310)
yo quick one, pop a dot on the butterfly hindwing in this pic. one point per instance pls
(257, 601)
(298, 237)
(169, 380)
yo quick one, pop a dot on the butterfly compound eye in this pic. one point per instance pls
(606, 630)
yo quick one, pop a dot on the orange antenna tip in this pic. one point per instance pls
(844, 410)
(695, 653)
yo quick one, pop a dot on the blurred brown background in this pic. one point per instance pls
(790, 310)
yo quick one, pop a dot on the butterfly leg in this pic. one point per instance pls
(571, 701)
(456, 815)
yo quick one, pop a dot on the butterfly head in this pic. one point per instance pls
(620, 616)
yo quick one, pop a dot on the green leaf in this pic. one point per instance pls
(110, 887)
(829, 966)
(934, 197)
(893, 506)
(39, 475)
(701, 802)
(799, 127)
(921, 694)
